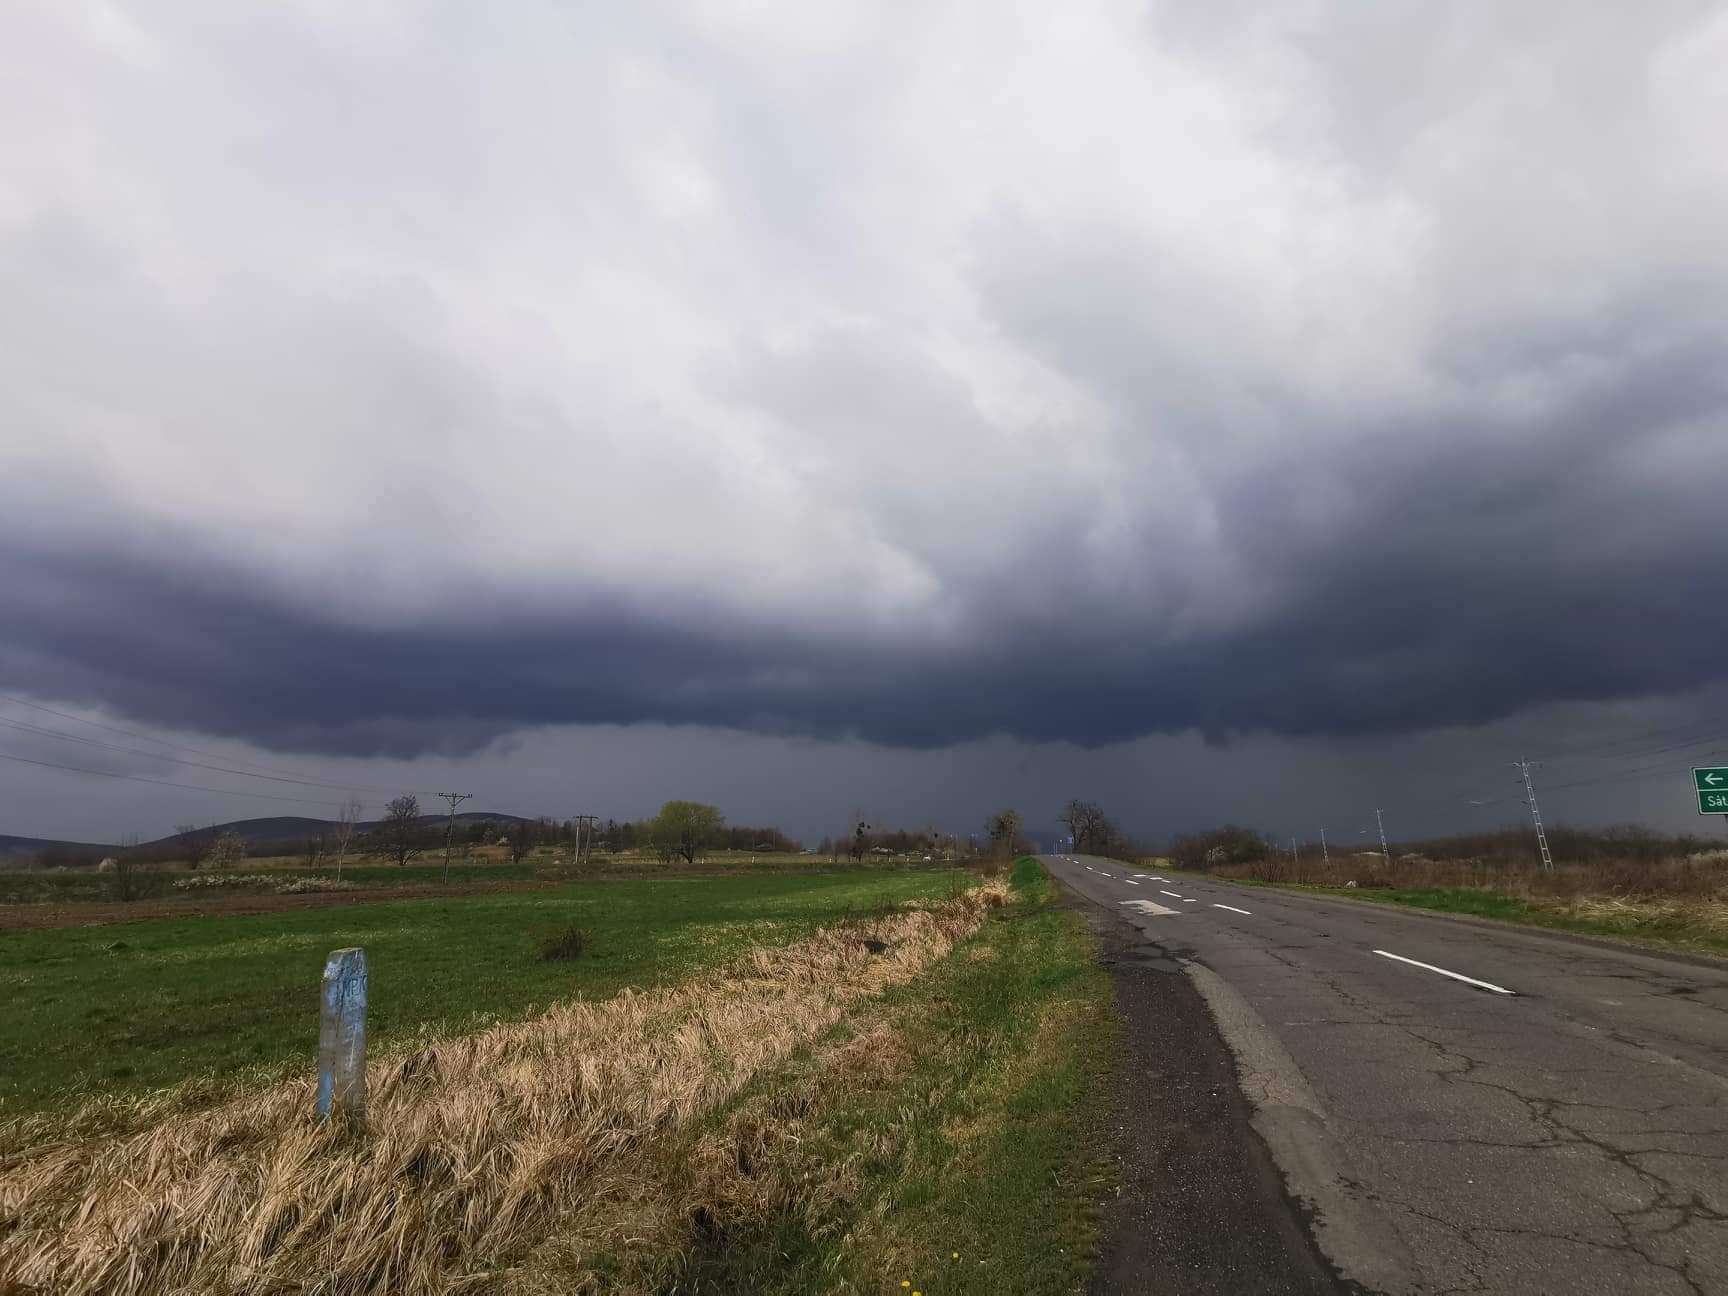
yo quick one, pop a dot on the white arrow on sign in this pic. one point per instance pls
(1712, 779)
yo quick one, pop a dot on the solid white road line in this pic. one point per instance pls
(1233, 909)
(1169, 893)
(1456, 976)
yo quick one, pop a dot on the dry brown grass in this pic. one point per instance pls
(1686, 917)
(476, 1149)
(635, 1234)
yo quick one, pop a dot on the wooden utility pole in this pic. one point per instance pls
(455, 799)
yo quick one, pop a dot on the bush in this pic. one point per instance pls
(567, 946)
(1218, 848)
(129, 880)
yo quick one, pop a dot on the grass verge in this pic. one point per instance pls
(132, 1006)
(944, 1137)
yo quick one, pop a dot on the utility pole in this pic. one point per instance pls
(1524, 767)
(1385, 854)
(1325, 856)
(1294, 859)
(587, 826)
(455, 799)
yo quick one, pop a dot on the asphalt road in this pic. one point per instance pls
(1461, 1108)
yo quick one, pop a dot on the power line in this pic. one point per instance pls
(139, 778)
(178, 760)
(1658, 751)
(239, 766)
(195, 787)
(1585, 750)
(97, 724)
(1613, 776)
(1623, 775)
(247, 769)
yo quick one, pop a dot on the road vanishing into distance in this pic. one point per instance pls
(1460, 1107)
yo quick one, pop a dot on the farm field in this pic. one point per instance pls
(32, 886)
(127, 1006)
(25, 886)
(900, 1087)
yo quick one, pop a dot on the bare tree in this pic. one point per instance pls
(401, 836)
(128, 885)
(1004, 829)
(1087, 826)
(194, 843)
(342, 834)
(521, 838)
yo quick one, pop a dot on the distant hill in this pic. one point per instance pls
(279, 828)
(29, 845)
(276, 828)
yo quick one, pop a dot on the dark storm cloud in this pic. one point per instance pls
(1440, 594)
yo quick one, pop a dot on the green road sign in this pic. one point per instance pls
(1712, 784)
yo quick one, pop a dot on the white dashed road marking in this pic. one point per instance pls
(1456, 976)
(1151, 907)
(1233, 909)
(1170, 893)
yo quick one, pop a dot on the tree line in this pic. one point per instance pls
(682, 830)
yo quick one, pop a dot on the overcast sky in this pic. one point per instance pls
(1227, 409)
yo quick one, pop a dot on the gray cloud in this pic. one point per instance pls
(385, 384)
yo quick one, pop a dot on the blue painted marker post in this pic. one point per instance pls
(342, 1037)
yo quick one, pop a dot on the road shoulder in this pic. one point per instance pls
(1202, 1206)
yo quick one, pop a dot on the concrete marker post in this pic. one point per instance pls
(342, 1037)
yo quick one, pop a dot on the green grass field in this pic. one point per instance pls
(86, 885)
(70, 886)
(137, 1005)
